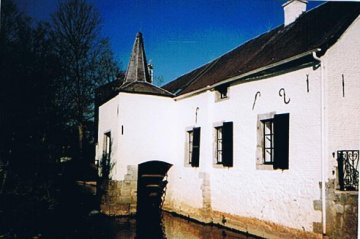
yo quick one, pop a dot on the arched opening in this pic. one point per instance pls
(150, 196)
(151, 187)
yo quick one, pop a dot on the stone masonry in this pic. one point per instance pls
(342, 212)
(120, 197)
(206, 194)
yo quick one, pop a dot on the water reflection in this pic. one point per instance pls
(172, 227)
(150, 227)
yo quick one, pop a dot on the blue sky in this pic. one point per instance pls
(179, 35)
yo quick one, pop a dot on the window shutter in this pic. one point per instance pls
(281, 141)
(228, 144)
(196, 148)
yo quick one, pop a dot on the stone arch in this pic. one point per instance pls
(151, 187)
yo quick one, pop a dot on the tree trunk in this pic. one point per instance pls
(4, 177)
(81, 141)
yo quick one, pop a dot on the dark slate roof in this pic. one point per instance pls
(138, 69)
(318, 28)
(110, 90)
(140, 87)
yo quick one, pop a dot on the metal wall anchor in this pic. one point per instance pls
(258, 94)
(196, 114)
(283, 94)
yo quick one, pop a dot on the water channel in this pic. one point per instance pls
(172, 227)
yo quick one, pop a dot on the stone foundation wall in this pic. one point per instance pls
(252, 226)
(119, 198)
(341, 212)
(206, 196)
(249, 225)
(261, 228)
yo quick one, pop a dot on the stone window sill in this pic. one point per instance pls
(337, 191)
(264, 167)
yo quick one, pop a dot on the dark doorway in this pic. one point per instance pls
(151, 186)
(150, 194)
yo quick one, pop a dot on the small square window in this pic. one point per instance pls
(222, 92)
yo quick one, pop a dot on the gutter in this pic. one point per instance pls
(322, 110)
(235, 78)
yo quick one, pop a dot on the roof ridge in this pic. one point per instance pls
(207, 67)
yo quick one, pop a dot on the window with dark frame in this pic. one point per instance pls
(275, 141)
(190, 135)
(107, 145)
(219, 148)
(193, 153)
(224, 144)
(105, 161)
(268, 144)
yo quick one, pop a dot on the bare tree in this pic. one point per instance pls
(86, 61)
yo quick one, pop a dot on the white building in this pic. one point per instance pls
(255, 136)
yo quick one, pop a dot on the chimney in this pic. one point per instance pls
(293, 9)
(151, 72)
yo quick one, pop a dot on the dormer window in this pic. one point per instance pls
(222, 92)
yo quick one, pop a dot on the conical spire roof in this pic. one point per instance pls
(137, 69)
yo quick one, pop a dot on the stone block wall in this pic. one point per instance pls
(206, 210)
(119, 197)
(342, 212)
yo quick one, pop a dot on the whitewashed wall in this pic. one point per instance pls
(141, 127)
(284, 197)
(343, 113)
(274, 190)
(148, 123)
(108, 122)
(184, 188)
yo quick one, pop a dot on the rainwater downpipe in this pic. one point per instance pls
(322, 110)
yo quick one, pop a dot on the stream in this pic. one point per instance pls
(171, 227)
